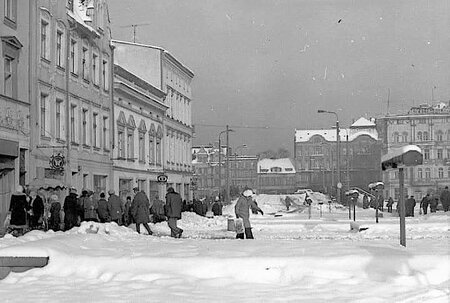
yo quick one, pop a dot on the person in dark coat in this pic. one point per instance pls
(54, 222)
(409, 207)
(90, 207)
(217, 207)
(424, 203)
(71, 210)
(434, 201)
(445, 199)
(81, 200)
(366, 202)
(140, 210)
(242, 210)
(37, 210)
(115, 207)
(174, 207)
(198, 207)
(127, 218)
(389, 204)
(158, 211)
(102, 210)
(18, 207)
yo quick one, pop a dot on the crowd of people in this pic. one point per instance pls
(36, 212)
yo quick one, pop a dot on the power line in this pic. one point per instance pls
(242, 126)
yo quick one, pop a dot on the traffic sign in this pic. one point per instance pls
(339, 185)
(162, 178)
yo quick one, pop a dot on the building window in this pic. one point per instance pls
(141, 147)
(72, 123)
(105, 74)
(427, 173)
(130, 145)
(426, 137)
(58, 118)
(69, 5)
(85, 181)
(448, 172)
(94, 130)
(43, 115)
(441, 173)
(8, 76)
(73, 56)
(59, 49)
(84, 64)
(419, 173)
(396, 137)
(426, 154)
(440, 154)
(95, 69)
(419, 136)
(121, 143)
(105, 133)
(84, 126)
(404, 137)
(158, 151)
(151, 149)
(45, 28)
(10, 11)
(439, 136)
(99, 184)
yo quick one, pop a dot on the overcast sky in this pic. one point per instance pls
(262, 63)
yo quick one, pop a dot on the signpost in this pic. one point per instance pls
(409, 155)
(162, 178)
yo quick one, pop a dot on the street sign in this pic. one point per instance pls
(162, 178)
(339, 185)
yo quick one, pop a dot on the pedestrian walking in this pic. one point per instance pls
(70, 209)
(127, 218)
(288, 202)
(366, 201)
(409, 207)
(242, 210)
(83, 197)
(140, 210)
(54, 221)
(434, 201)
(115, 207)
(103, 209)
(445, 199)
(90, 207)
(424, 203)
(389, 204)
(18, 207)
(173, 207)
(37, 210)
(158, 211)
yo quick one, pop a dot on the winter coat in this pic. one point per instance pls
(102, 210)
(174, 205)
(434, 201)
(55, 216)
(390, 202)
(18, 208)
(115, 207)
(158, 211)
(127, 216)
(425, 202)
(37, 205)
(445, 197)
(71, 210)
(140, 208)
(198, 207)
(217, 208)
(242, 209)
(90, 209)
(409, 207)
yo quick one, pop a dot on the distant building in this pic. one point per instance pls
(427, 126)
(276, 176)
(158, 67)
(360, 156)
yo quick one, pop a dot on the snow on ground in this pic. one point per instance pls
(293, 259)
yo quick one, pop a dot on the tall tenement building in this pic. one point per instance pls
(427, 126)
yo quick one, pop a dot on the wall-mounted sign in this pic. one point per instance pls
(162, 178)
(57, 161)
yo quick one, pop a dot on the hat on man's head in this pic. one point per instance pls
(170, 190)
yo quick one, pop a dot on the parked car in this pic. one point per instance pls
(304, 191)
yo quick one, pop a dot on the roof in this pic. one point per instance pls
(363, 122)
(330, 134)
(278, 166)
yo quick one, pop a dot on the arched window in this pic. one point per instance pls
(426, 136)
(441, 172)
(427, 173)
(404, 137)
(439, 135)
(396, 137)
(419, 173)
(419, 136)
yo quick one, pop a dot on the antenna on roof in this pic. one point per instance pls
(134, 26)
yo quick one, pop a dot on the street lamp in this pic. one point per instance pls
(220, 163)
(339, 184)
(235, 158)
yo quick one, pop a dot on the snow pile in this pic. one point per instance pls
(101, 228)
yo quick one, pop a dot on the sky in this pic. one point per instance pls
(265, 67)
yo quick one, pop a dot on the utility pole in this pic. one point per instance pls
(228, 168)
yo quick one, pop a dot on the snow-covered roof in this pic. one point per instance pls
(363, 122)
(279, 166)
(79, 14)
(330, 134)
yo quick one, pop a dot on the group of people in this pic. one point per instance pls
(37, 212)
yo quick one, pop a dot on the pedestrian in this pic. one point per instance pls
(18, 207)
(445, 199)
(115, 207)
(288, 202)
(140, 210)
(242, 210)
(366, 202)
(197, 206)
(90, 207)
(37, 210)
(103, 210)
(157, 210)
(409, 207)
(83, 197)
(389, 204)
(55, 213)
(127, 218)
(71, 209)
(173, 212)
(434, 201)
(217, 207)
(424, 203)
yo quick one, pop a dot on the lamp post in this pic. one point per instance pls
(227, 161)
(338, 141)
(235, 158)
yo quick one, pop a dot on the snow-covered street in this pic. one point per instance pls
(292, 259)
